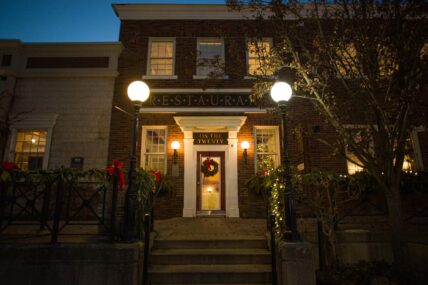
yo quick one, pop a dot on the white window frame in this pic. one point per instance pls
(143, 145)
(149, 52)
(12, 146)
(223, 56)
(277, 144)
(247, 55)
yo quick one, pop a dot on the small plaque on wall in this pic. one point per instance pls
(77, 162)
(210, 138)
(175, 170)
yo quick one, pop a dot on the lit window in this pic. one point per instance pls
(353, 163)
(161, 60)
(363, 138)
(266, 147)
(210, 57)
(346, 60)
(30, 149)
(258, 54)
(155, 148)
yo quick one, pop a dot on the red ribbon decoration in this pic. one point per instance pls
(208, 162)
(115, 170)
(8, 166)
(156, 174)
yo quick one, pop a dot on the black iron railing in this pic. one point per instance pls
(57, 203)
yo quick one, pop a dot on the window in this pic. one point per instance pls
(266, 147)
(258, 56)
(210, 57)
(161, 59)
(154, 148)
(30, 148)
(363, 138)
(347, 61)
(6, 60)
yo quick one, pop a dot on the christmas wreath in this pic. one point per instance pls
(209, 167)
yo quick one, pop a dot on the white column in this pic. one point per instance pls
(189, 207)
(232, 208)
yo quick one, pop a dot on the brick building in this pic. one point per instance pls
(199, 62)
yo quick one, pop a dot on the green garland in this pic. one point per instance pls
(211, 170)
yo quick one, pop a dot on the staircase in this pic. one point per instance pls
(210, 259)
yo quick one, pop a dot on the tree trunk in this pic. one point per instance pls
(399, 236)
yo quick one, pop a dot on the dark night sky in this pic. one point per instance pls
(67, 20)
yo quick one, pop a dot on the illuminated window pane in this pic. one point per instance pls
(258, 53)
(266, 148)
(346, 60)
(352, 161)
(161, 57)
(155, 149)
(30, 149)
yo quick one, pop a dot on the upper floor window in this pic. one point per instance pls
(30, 148)
(210, 57)
(154, 148)
(6, 60)
(161, 56)
(258, 57)
(266, 147)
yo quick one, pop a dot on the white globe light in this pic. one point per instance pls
(175, 145)
(281, 91)
(245, 145)
(138, 91)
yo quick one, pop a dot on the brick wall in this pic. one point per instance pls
(305, 125)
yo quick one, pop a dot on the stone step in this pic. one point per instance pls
(204, 243)
(210, 256)
(210, 274)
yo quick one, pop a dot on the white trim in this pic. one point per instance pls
(198, 90)
(277, 144)
(231, 124)
(162, 77)
(254, 110)
(149, 50)
(143, 144)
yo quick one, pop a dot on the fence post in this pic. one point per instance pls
(273, 248)
(321, 242)
(147, 219)
(57, 213)
(113, 210)
(45, 209)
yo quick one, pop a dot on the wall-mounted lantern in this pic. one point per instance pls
(175, 145)
(245, 145)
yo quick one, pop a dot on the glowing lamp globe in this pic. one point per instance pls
(138, 91)
(245, 145)
(281, 91)
(175, 145)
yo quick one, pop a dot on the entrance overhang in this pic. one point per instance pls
(230, 124)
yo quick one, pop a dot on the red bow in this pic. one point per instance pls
(8, 166)
(208, 162)
(115, 170)
(157, 175)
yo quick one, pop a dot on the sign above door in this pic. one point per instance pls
(210, 138)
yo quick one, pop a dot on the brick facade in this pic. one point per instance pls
(305, 150)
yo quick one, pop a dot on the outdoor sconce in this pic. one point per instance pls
(175, 145)
(245, 145)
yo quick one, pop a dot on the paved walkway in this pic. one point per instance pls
(209, 228)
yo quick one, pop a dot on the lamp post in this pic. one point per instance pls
(138, 92)
(281, 92)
